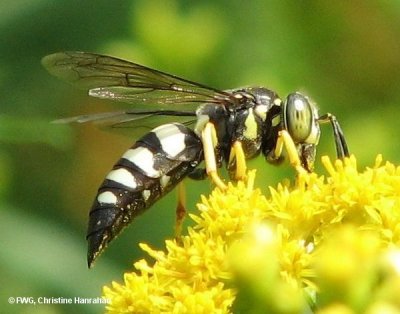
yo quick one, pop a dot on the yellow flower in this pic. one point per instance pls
(320, 244)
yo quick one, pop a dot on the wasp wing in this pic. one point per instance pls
(133, 123)
(113, 78)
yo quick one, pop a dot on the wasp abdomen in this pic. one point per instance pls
(153, 166)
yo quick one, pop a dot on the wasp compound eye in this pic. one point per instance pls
(298, 117)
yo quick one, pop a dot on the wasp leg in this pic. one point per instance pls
(340, 142)
(209, 139)
(284, 139)
(198, 174)
(180, 210)
(236, 157)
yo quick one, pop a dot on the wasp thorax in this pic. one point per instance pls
(298, 117)
(209, 113)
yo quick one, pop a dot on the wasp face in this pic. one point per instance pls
(300, 119)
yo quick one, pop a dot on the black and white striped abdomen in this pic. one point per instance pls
(153, 166)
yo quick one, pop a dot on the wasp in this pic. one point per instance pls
(209, 127)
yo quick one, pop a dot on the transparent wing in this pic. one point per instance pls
(134, 123)
(113, 78)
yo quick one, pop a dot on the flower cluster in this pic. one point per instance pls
(323, 245)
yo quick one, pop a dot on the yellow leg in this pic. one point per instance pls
(209, 139)
(284, 139)
(180, 210)
(237, 155)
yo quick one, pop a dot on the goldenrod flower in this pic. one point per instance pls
(327, 245)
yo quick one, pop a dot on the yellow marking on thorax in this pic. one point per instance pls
(251, 126)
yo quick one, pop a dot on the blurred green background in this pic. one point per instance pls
(344, 54)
